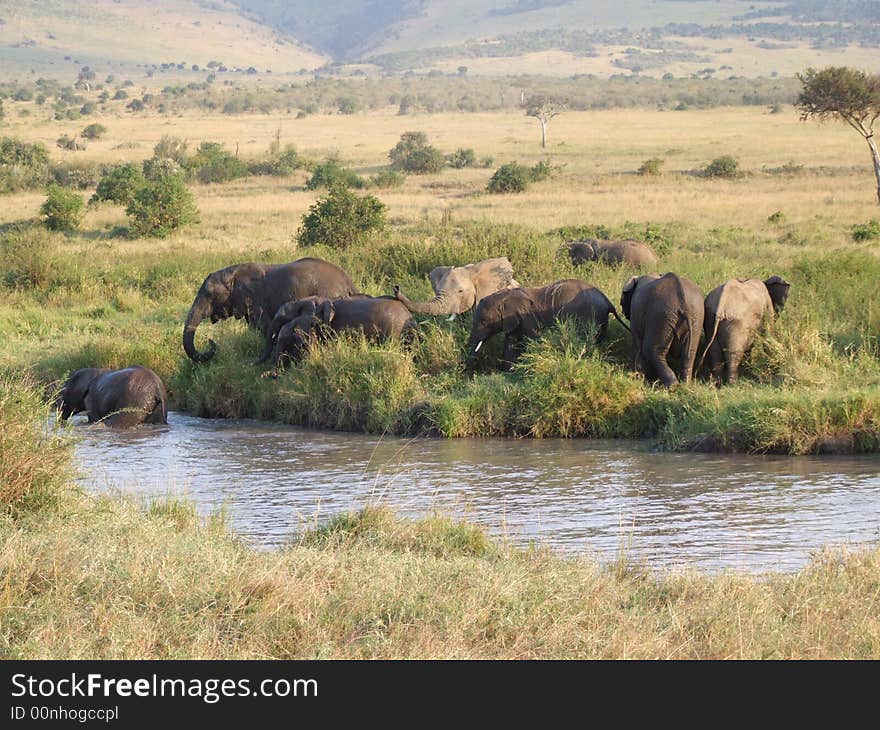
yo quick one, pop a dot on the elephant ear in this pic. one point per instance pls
(326, 312)
(437, 275)
(626, 296)
(778, 288)
(518, 313)
(492, 275)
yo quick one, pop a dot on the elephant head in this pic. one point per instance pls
(72, 398)
(778, 290)
(213, 301)
(506, 311)
(305, 307)
(459, 288)
(629, 290)
(294, 336)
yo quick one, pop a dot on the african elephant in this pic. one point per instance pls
(734, 312)
(522, 313)
(254, 292)
(630, 252)
(379, 318)
(118, 398)
(666, 316)
(460, 288)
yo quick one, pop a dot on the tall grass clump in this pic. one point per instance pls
(29, 256)
(35, 459)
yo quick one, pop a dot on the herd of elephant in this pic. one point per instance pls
(293, 304)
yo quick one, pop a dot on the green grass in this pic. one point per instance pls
(110, 578)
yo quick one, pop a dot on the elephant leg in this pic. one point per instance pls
(513, 347)
(732, 369)
(716, 361)
(656, 353)
(689, 349)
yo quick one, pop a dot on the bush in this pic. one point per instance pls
(866, 231)
(172, 148)
(387, 179)
(510, 178)
(341, 219)
(651, 167)
(542, 170)
(279, 164)
(62, 210)
(162, 206)
(93, 131)
(462, 158)
(158, 167)
(80, 175)
(725, 166)
(331, 173)
(66, 142)
(212, 164)
(413, 154)
(28, 257)
(22, 166)
(120, 184)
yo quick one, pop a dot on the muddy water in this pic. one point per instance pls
(594, 497)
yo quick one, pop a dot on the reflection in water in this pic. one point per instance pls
(598, 497)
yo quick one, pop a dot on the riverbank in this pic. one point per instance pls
(104, 577)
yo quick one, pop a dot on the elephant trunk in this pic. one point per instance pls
(200, 309)
(437, 305)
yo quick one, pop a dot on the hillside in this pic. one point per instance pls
(55, 36)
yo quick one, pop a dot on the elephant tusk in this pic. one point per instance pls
(451, 317)
(477, 348)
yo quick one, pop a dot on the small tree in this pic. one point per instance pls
(462, 157)
(120, 184)
(331, 173)
(510, 178)
(544, 108)
(844, 94)
(62, 210)
(93, 131)
(413, 154)
(341, 219)
(725, 166)
(161, 206)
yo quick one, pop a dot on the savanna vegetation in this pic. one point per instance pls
(102, 577)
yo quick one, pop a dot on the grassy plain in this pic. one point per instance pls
(812, 383)
(107, 578)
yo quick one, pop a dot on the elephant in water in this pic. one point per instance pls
(254, 292)
(380, 318)
(460, 288)
(666, 316)
(734, 312)
(522, 313)
(614, 253)
(118, 398)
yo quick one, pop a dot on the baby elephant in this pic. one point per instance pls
(522, 313)
(117, 398)
(379, 318)
(614, 253)
(734, 313)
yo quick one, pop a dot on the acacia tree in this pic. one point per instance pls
(844, 94)
(544, 108)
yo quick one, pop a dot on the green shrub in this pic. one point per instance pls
(212, 164)
(462, 157)
(413, 154)
(387, 179)
(120, 184)
(80, 175)
(28, 256)
(93, 131)
(63, 209)
(66, 142)
(542, 170)
(725, 166)
(279, 164)
(23, 166)
(162, 206)
(652, 166)
(866, 231)
(331, 173)
(341, 219)
(510, 178)
(172, 148)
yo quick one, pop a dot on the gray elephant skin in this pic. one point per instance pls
(734, 313)
(296, 323)
(666, 318)
(254, 292)
(522, 314)
(117, 398)
(459, 289)
(614, 253)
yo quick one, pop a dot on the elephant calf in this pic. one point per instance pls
(666, 316)
(380, 318)
(614, 253)
(117, 398)
(522, 313)
(734, 312)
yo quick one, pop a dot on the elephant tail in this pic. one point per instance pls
(709, 343)
(617, 317)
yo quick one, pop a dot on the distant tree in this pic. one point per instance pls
(413, 154)
(93, 131)
(544, 108)
(843, 94)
